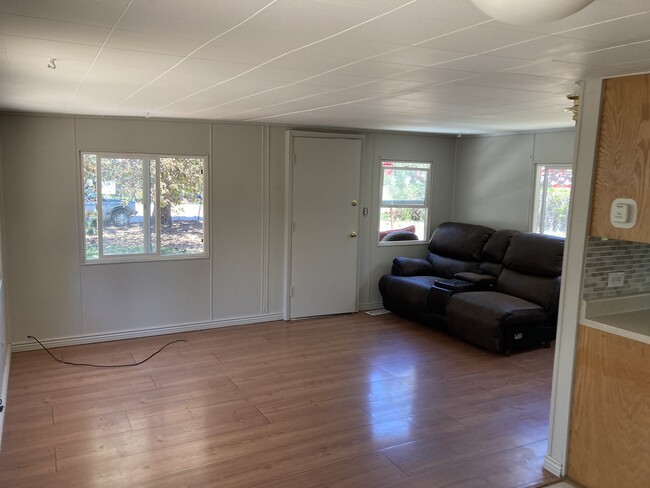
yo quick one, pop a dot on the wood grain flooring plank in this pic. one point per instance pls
(463, 445)
(420, 404)
(207, 423)
(68, 392)
(351, 394)
(367, 471)
(504, 469)
(339, 401)
(79, 429)
(205, 466)
(20, 464)
(101, 475)
(96, 407)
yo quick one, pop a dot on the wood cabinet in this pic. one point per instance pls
(610, 414)
(623, 162)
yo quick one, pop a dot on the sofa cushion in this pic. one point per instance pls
(384, 233)
(409, 291)
(535, 254)
(411, 267)
(479, 317)
(460, 241)
(542, 290)
(400, 235)
(494, 250)
(446, 267)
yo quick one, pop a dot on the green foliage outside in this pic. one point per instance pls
(181, 181)
(402, 187)
(557, 211)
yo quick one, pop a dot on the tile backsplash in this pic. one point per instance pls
(610, 256)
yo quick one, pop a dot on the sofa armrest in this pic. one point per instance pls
(480, 280)
(411, 267)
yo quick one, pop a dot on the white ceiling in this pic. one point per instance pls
(421, 65)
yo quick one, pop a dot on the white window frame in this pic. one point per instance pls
(427, 198)
(147, 256)
(535, 220)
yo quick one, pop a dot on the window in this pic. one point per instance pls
(552, 196)
(142, 207)
(404, 201)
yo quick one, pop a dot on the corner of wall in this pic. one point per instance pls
(5, 351)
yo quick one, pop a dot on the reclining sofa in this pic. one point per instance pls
(498, 289)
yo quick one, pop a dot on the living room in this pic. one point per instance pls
(483, 158)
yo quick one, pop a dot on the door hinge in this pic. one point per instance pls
(293, 227)
(291, 291)
(293, 159)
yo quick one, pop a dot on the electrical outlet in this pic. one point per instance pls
(615, 280)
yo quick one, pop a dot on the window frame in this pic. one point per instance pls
(534, 220)
(426, 205)
(147, 256)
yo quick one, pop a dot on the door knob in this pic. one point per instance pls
(353, 234)
(354, 203)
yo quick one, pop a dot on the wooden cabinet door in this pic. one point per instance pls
(623, 163)
(610, 413)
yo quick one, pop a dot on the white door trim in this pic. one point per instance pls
(288, 203)
(572, 277)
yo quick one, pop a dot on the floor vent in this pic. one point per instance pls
(379, 311)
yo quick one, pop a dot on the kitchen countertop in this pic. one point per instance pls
(624, 316)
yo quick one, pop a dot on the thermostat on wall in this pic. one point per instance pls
(623, 213)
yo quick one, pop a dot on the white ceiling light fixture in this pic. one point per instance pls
(525, 12)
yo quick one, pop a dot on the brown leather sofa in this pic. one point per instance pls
(410, 290)
(496, 289)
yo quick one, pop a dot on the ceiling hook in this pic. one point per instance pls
(52, 63)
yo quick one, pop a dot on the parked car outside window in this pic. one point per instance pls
(116, 212)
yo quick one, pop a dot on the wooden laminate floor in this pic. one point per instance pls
(342, 401)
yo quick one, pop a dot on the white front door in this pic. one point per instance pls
(326, 177)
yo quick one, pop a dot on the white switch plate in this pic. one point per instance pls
(615, 280)
(623, 213)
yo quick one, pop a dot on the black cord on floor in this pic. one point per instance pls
(104, 365)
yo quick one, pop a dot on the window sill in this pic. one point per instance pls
(402, 243)
(142, 259)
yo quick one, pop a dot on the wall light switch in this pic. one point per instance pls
(623, 213)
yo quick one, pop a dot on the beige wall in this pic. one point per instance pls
(494, 175)
(54, 296)
(376, 260)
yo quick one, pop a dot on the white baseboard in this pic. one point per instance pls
(133, 334)
(3, 392)
(553, 466)
(364, 307)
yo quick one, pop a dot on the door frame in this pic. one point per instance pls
(288, 206)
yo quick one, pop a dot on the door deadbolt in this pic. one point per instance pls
(353, 234)
(354, 203)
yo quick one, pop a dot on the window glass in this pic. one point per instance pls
(404, 201)
(89, 163)
(143, 207)
(552, 197)
(181, 206)
(121, 190)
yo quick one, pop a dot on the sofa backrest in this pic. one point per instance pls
(456, 247)
(494, 251)
(532, 267)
